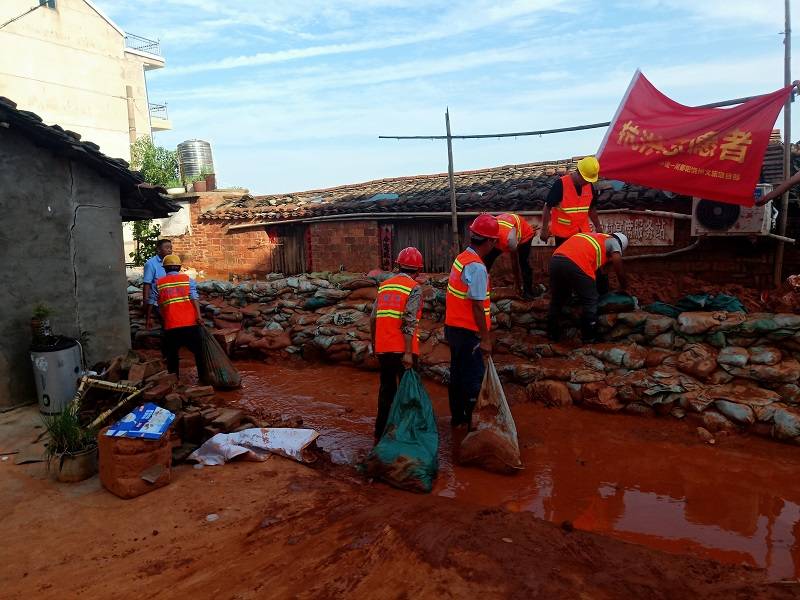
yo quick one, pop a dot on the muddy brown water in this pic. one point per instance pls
(650, 482)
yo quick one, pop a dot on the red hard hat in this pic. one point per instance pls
(410, 257)
(485, 225)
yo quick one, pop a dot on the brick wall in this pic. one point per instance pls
(212, 248)
(353, 244)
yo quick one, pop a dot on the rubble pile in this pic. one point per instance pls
(197, 414)
(728, 371)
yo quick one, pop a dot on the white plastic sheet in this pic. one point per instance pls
(257, 444)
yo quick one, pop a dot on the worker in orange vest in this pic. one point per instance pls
(515, 237)
(394, 325)
(571, 203)
(468, 319)
(574, 267)
(177, 299)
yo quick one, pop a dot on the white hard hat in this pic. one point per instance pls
(622, 239)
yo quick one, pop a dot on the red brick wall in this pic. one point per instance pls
(353, 244)
(212, 248)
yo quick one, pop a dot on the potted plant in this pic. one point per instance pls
(40, 323)
(174, 186)
(199, 183)
(71, 448)
(210, 178)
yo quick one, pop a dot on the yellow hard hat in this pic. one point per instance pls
(172, 260)
(589, 168)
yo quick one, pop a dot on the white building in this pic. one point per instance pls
(69, 63)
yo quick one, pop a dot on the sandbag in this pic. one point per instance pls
(492, 440)
(616, 303)
(407, 456)
(219, 370)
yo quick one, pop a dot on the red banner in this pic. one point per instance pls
(713, 153)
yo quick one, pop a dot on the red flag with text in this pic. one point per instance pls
(713, 153)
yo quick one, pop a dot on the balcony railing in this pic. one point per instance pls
(135, 42)
(158, 111)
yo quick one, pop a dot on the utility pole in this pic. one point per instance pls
(453, 206)
(787, 143)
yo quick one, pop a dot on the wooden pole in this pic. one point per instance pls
(453, 206)
(787, 144)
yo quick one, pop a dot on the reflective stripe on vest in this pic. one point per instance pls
(390, 306)
(572, 215)
(458, 308)
(174, 301)
(586, 250)
(509, 221)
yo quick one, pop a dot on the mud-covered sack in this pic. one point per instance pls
(219, 370)
(492, 440)
(616, 303)
(407, 456)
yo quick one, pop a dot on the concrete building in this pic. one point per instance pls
(62, 204)
(74, 66)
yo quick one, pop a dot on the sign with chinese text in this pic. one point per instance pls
(713, 153)
(642, 229)
(387, 257)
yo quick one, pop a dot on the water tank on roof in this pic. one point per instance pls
(194, 156)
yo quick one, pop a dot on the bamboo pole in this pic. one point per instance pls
(453, 205)
(787, 144)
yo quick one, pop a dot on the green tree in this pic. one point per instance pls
(145, 234)
(158, 166)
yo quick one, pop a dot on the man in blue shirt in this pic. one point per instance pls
(154, 270)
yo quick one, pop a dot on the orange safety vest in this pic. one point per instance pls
(390, 305)
(572, 215)
(587, 250)
(174, 302)
(458, 308)
(509, 222)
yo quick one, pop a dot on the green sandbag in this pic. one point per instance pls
(219, 370)
(315, 303)
(407, 456)
(616, 303)
(698, 302)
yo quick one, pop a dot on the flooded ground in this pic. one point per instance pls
(651, 482)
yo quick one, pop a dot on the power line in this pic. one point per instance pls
(543, 131)
(17, 18)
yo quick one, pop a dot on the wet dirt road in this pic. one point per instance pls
(651, 482)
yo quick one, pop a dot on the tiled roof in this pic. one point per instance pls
(139, 200)
(508, 188)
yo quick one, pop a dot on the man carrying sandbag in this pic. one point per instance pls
(394, 325)
(177, 299)
(575, 267)
(468, 319)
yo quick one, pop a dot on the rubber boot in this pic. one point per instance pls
(589, 332)
(553, 330)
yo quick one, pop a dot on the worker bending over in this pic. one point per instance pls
(571, 203)
(468, 319)
(575, 267)
(176, 296)
(394, 325)
(515, 237)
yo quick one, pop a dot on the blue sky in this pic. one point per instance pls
(293, 94)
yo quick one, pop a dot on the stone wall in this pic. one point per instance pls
(61, 244)
(728, 372)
